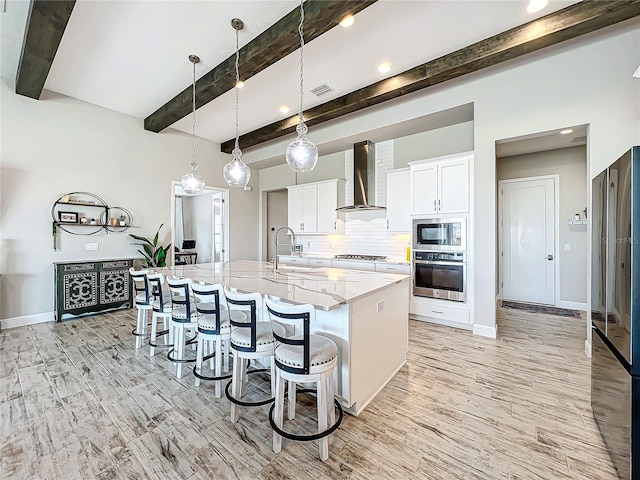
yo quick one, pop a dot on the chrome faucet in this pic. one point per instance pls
(276, 245)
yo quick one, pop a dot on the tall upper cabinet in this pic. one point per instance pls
(440, 185)
(398, 201)
(312, 207)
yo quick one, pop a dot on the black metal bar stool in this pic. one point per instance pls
(303, 358)
(251, 339)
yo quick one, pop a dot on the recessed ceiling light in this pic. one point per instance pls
(240, 84)
(566, 131)
(536, 5)
(284, 109)
(347, 21)
(384, 67)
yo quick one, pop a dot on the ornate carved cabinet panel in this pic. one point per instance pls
(91, 286)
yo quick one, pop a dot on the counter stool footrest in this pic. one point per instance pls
(248, 404)
(310, 437)
(178, 360)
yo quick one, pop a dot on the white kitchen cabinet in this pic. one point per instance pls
(330, 197)
(320, 262)
(441, 185)
(312, 207)
(354, 265)
(293, 260)
(398, 201)
(393, 268)
(302, 204)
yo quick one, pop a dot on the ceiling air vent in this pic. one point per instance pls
(321, 90)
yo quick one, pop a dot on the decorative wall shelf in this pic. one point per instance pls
(84, 213)
(583, 221)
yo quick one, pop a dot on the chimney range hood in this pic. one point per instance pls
(364, 178)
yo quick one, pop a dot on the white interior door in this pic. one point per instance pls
(528, 240)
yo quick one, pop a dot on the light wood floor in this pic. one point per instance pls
(78, 401)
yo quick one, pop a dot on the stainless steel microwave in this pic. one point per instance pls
(448, 234)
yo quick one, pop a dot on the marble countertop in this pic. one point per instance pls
(327, 256)
(324, 288)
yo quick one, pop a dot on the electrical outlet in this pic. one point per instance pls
(91, 246)
(308, 244)
(567, 247)
(379, 306)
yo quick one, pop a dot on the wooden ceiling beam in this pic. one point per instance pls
(46, 23)
(270, 46)
(565, 24)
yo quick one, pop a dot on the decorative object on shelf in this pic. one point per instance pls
(576, 216)
(68, 217)
(75, 213)
(192, 182)
(237, 173)
(155, 255)
(302, 154)
(584, 211)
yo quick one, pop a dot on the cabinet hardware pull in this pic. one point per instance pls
(438, 204)
(436, 311)
(434, 204)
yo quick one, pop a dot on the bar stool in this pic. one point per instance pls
(214, 327)
(250, 340)
(161, 306)
(303, 358)
(184, 316)
(143, 302)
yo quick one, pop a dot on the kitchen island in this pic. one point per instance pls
(365, 313)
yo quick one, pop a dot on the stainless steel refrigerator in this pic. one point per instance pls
(615, 311)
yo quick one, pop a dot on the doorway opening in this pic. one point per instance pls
(542, 228)
(199, 226)
(276, 216)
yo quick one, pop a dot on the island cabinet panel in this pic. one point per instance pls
(379, 341)
(91, 286)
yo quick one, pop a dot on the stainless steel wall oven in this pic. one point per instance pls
(440, 275)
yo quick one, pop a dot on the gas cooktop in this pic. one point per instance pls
(359, 257)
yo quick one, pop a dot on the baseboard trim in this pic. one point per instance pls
(572, 305)
(437, 321)
(484, 331)
(15, 322)
(587, 348)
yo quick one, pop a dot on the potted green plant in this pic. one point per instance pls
(155, 255)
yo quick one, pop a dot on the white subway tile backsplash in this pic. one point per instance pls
(365, 231)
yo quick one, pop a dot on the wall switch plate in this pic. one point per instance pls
(379, 306)
(91, 246)
(567, 247)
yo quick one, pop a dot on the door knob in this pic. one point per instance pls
(549, 257)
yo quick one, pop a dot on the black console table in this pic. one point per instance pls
(91, 286)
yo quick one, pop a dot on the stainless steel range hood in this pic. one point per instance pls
(364, 178)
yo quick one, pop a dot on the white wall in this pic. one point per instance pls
(571, 166)
(58, 145)
(584, 81)
(433, 143)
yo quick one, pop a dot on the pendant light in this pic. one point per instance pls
(237, 173)
(192, 182)
(302, 154)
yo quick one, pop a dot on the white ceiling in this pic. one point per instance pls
(131, 56)
(542, 141)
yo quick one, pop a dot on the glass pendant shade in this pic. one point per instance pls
(302, 154)
(236, 173)
(192, 182)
